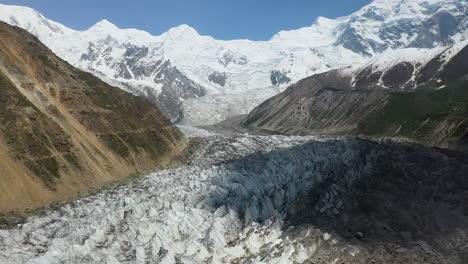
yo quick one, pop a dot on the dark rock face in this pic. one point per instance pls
(430, 70)
(373, 15)
(218, 78)
(410, 75)
(145, 70)
(123, 72)
(173, 87)
(351, 40)
(457, 67)
(398, 75)
(136, 53)
(277, 78)
(176, 88)
(90, 55)
(367, 78)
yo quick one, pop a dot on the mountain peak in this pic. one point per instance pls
(104, 25)
(17, 8)
(182, 30)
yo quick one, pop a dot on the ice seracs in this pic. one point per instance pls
(232, 204)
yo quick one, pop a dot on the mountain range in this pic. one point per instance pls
(198, 80)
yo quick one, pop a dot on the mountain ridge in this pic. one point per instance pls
(423, 98)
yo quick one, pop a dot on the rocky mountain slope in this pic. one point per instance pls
(421, 94)
(63, 130)
(199, 80)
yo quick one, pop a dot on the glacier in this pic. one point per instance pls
(231, 204)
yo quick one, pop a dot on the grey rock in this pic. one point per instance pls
(175, 88)
(359, 235)
(242, 60)
(277, 78)
(218, 78)
(226, 59)
(351, 40)
(229, 58)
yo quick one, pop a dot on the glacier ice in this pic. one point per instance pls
(230, 204)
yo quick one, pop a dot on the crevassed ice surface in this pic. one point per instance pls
(228, 205)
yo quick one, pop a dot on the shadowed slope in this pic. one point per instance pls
(423, 100)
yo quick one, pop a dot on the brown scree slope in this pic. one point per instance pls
(63, 130)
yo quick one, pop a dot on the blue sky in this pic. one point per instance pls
(222, 19)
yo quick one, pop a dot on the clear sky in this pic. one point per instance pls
(222, 19)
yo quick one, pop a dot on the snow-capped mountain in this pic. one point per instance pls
(200, 80)
(420, 94)
(409, 69)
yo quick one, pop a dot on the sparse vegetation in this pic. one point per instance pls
(46, 169)
(116, 144)
(412, 114)
(53, 140)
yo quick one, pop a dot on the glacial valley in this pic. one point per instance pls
(266, 199)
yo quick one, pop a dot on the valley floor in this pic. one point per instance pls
(266, 199)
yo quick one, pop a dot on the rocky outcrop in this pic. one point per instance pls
(229, 57)
(166, 86)
(218, 77)
(63, 130)
(278, 78)
(173, 89)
